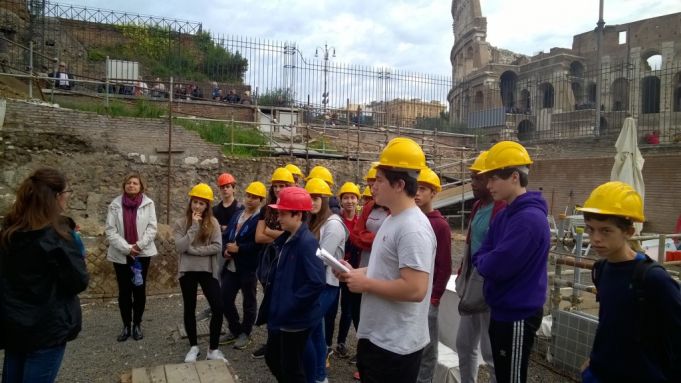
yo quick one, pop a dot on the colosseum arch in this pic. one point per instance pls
(508, 82)
(547, 95)
(650, 94)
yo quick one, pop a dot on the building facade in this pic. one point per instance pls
(554, 95)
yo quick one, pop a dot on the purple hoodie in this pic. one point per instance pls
(513, 259)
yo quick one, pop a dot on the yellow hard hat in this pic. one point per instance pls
(615, 198)
(428, 176)
(320, 172)
(366, 192)
(202, 191)
(318, 186)
(294, 170)
(257, 188)
(402, 153)
(282, 175)
(506, 154)
(349, 187)
(479, 163)
(371, 173)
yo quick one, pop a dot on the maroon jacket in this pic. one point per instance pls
(443, 255)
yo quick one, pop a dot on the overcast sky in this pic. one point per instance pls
(413, 35)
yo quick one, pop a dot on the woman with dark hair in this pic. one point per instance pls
(42, 270)
(199, 243)
(131, 229)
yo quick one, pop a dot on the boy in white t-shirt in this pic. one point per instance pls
(396, 285)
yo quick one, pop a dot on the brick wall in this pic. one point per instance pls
(569, 181)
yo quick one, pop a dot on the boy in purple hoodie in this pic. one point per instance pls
(513, 261)
(428, 187)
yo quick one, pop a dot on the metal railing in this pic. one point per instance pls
(535, 107)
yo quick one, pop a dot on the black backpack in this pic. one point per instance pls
(637, 284)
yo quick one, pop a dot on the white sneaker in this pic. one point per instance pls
(215, 355)
(192, 354)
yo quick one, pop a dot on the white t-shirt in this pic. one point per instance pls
(332, 237)
(374, 222)
(404, 240)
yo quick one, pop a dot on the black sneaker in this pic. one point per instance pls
(342, 350)
(260, 352)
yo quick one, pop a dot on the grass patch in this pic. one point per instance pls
(221, 134)
(322, 143)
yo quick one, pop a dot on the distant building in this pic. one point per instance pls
(405, 113)
(553, 95)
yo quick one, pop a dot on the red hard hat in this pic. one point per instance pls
(226, 178)
(293, 198)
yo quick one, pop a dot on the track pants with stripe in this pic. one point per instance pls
(511, 346)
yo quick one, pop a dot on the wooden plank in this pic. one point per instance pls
(139, 375)
(181, 373)
(214, 371)
(157, 374)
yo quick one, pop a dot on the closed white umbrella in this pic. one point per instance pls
(628, 165)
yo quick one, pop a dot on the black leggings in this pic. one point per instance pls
(131, 298)
(189, 283)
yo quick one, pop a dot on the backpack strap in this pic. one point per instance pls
(637, 286)
(596, 271)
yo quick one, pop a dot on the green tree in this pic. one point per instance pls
(276, 97)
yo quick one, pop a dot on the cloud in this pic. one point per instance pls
(412, 35)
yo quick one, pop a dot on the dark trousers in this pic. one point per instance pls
(37, 366)
(131, 298)
(284, 355)
(231, 284)
(350, 304)
(210, 286)
(511, 347)
(330, 320)
(377, 365)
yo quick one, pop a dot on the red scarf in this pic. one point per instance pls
(130, 206)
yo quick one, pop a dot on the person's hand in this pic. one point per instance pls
(357, 280)
(135, 251)
(196, 217)
(340, 275)
(233, 247)
(226, 255)
(223, 227)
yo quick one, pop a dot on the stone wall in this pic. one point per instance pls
(566, 182)
(96, 152)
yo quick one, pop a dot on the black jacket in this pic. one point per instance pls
(41, 275)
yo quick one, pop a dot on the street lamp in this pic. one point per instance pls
(325, 51)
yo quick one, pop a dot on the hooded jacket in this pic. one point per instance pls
(41, 275)
(296, 283)
(513, 259)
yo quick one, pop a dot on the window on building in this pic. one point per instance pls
(652, 61)
(677, 92)
(508, 81)
(623, 37)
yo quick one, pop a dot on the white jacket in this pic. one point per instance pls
(332, 237)
(119, 248)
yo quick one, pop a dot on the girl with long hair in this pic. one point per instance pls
(42, 271)
(331, 233)
(199, 243)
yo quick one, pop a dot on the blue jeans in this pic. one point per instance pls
(315, 350)
(39, 366)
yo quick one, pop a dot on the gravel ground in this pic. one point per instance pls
(95, 356)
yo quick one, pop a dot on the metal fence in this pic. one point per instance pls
(533, 107)
(134, 51)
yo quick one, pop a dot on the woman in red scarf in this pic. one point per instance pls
(131, 229)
